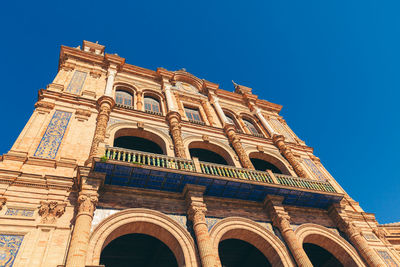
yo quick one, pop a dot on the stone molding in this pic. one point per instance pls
(51, 210)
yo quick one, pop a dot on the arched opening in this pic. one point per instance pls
(251, 127)
(123, 97)
(209, 152)
(152, 105)
(139, 139)
(238, 253)
(320, 257)
(207, 155)
(264, 161)
(137, 143)
(137, 250)
(262, 165)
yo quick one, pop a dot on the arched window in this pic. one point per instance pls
(251, 127)
(232, 121)
(123, 98)
(151, 104)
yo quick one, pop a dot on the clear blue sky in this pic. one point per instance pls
(333, 65)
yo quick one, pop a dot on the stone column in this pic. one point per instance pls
(237, 145)
(345, 225)
(110, 81)
(219, 110)
(281, 220)
(86, 205)
(169, 97)
(174, 121)
(207, 110)
(105, 105)
(265, 122)
(279, 141)
(139, 101)
(196, 213)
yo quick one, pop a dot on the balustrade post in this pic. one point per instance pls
(196, 213)
(281, 220)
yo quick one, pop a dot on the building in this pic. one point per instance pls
(121, 165)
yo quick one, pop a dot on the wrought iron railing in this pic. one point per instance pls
(162, 161)
(150, 159)
(229, 171)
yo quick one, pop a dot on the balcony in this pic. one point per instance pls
(132, 168)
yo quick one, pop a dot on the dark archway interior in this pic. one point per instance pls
(137, 250)
(207, 155)
(262, 165)
(138, 143)
(238, 253)
(320, 257)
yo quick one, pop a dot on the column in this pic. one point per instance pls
(232, 136)
(86, 205)
(110, 81)
(279, 141)
(139, 101)
(237, 145)
(196, 213)
(281, 220)
(220, 112)
(265, 122)
(345, 225)
(105, 105)
(169, 97)
(174, 121)
(207, 110)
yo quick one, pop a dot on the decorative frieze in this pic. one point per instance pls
(53, 136)
(51, 210)
(310, 164)
(19, 212)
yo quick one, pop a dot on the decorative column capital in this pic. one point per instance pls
(103, 100)
(87, 203)
(3, 201)
(51, 210)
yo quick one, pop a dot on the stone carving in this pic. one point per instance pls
(206, 138)
(51, 210)
(174, 119)
(197, 213)
(208, 112)
(105, 104)
(53, 136)
(87, 203)
(279, 141)
(44, 105)
(3, 201)
(83, 113)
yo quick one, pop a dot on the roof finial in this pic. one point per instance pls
(234, 84)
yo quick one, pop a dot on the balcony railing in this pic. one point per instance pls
(229, 171)
(162, 161)
(150, 159)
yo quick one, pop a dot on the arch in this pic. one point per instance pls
(232, 115)
(155, 95)
(148, 222)
(215, 147)
(156, 135)
(247, 117)
(253, 233)
(333, 243)
(278, 163)
(125, 87)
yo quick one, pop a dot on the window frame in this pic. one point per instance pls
(123, 94)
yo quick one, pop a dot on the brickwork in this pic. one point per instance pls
(49, 189)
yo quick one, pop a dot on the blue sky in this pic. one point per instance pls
(333, 65)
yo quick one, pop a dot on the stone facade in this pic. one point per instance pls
(66, 192)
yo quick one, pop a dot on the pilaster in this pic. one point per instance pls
(174, 121)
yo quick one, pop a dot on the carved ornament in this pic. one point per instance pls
(44, 105)
(51, 210)
(3, 201)
(87, 203)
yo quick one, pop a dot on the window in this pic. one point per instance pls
(251, 127)
(151, 104)
(123, 98)
(193, 114)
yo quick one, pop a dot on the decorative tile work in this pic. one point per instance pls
(370, 237)
(314, 169)
(100, 214)
(211, 222)
(53, 136)
(181, 219)
(387, 258)
(9, 246)
(76, 83)
(278, 126)
(19, 212)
